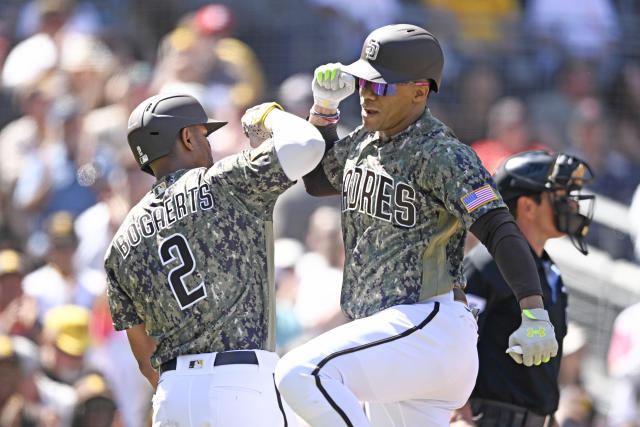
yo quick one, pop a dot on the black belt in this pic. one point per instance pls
(239, 357)
(493, 413)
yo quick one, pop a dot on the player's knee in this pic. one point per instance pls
(286, 377)
(290, 376)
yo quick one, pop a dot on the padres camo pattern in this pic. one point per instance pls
(193, 259)
(403, 222)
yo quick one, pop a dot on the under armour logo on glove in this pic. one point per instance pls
(531, 332)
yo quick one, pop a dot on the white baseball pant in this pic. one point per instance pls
(412, 365)
(197, 393)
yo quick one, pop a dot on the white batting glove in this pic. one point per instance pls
(253, 123)
(331, 85)
(534, 341)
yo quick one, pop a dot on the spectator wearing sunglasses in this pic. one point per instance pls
(410, 192)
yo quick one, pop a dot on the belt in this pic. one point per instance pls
(493, 413)
(239, 357)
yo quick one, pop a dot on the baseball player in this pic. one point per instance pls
(410, 191)
(542, 191)
(190, 269)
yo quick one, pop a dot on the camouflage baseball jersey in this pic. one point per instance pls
(407, 203)
(193, 259)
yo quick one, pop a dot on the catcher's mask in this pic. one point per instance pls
(563, 177)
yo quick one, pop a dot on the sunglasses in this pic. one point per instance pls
(386, 89)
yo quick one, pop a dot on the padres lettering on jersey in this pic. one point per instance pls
(379, 196)
(163, 215)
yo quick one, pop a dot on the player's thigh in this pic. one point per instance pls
(434, 360)
(407, 413)
(404, 352)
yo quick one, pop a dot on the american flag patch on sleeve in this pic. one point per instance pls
(479, 197)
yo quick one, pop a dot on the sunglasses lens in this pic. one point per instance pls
(390, 89)
(380, 89)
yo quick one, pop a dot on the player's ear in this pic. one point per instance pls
(185, 138)
(420, 93)
(526, 206)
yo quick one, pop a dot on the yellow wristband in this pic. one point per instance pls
(264, 115)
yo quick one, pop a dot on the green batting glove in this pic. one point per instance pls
(534, 342)
(331, 85)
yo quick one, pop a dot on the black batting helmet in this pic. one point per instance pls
(536, 171)
(399, 53)
(155, 123)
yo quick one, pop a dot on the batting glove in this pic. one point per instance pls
(331, 85)
(534, 341)
(253, 123)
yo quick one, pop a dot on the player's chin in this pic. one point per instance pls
(369, 123)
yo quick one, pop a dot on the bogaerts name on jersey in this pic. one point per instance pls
(162, 215)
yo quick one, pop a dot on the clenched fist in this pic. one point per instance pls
(534, 342)
(331, 85)
(253, 123)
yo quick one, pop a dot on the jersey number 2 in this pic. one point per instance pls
(176, 247)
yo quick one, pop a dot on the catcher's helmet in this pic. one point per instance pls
(536, 171)
(156, 122)
(399, 53)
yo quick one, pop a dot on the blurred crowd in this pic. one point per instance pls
(519, 74)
